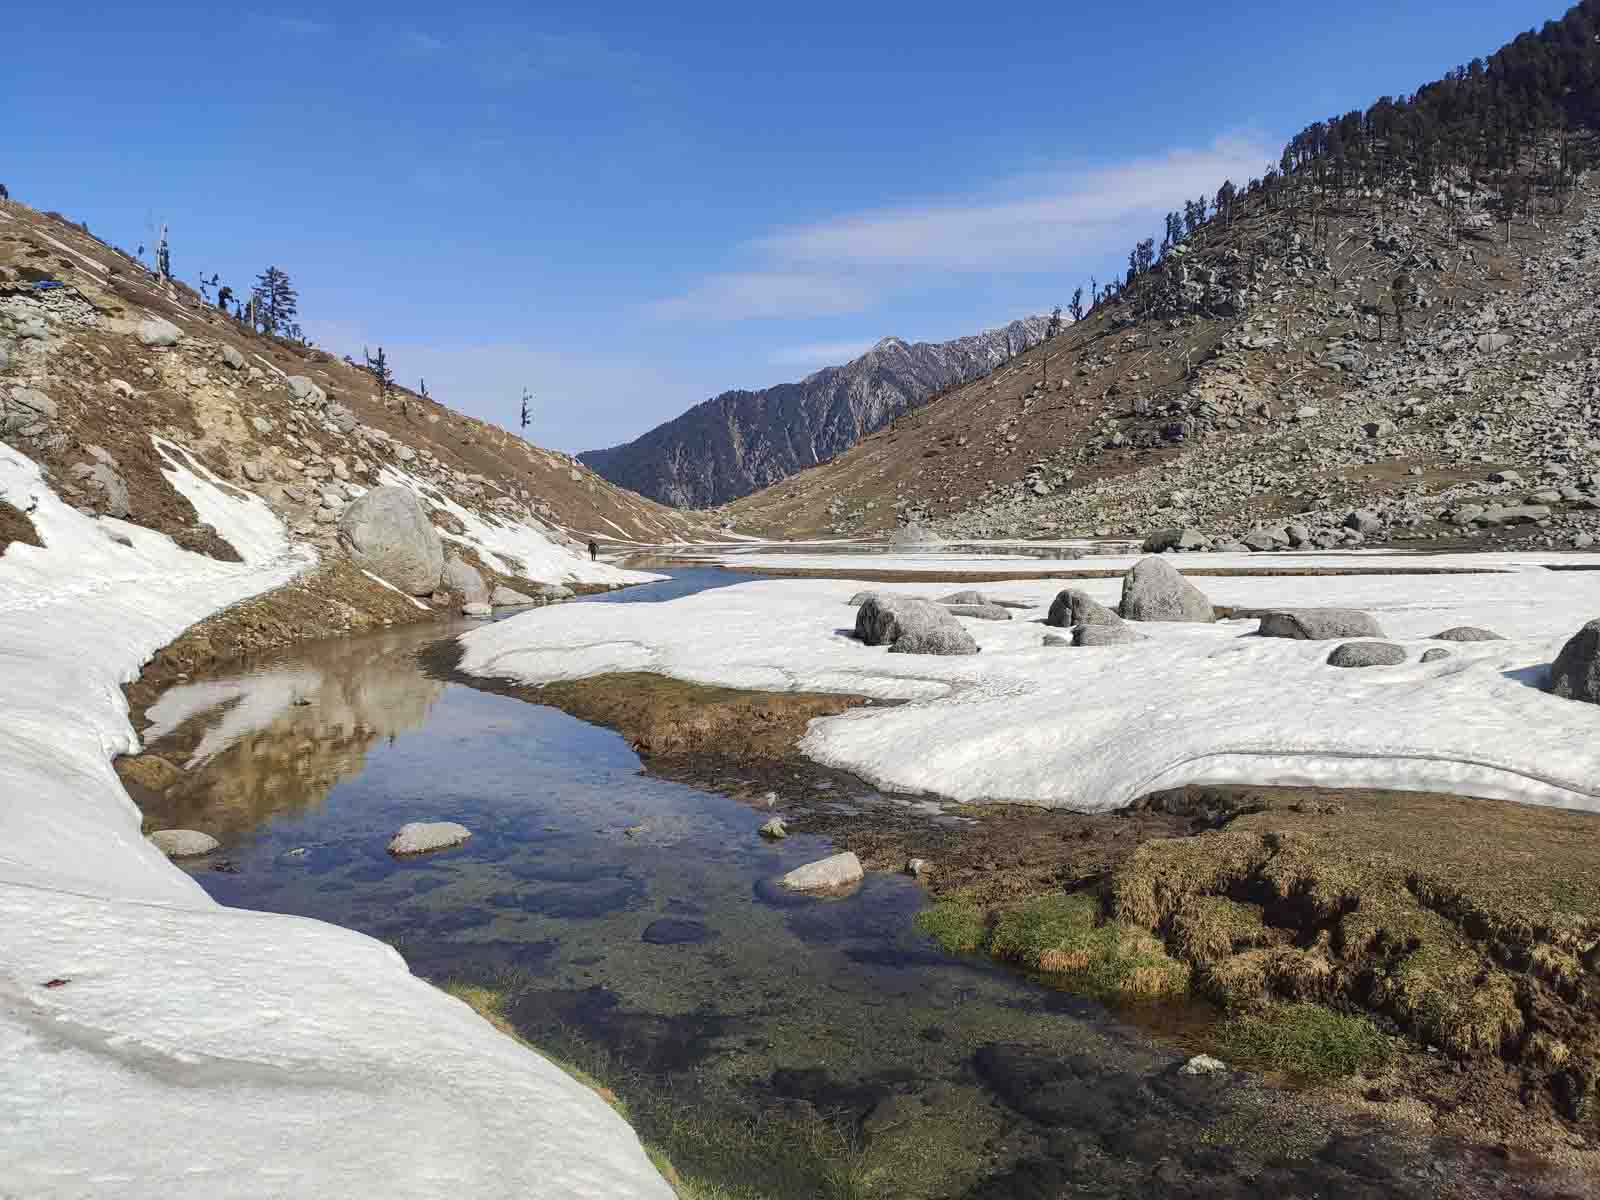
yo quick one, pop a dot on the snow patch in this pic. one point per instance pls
(156, 1044)
(1095, 728)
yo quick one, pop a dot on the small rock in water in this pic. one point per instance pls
(476, 608)
(774, 828)
(919, 867)
(1203, 1064)
(770, 799)
(183, 843)
(827, 874)
(297, 852)
(419, 837)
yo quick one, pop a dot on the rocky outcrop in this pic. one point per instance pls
(1155, 591)
(740, 441)
(911, 626)
(387, 532)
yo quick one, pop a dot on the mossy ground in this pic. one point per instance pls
(1314, 918)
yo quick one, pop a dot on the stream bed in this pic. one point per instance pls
(634, 925)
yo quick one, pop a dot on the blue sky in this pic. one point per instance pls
(628, 208)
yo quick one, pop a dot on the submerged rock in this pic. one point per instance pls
(1318, 624)
(827, 874)
(911, 626)
(672, 931)
(419, 837)
(1155, 591)
(1575, 675)
(775, 829)
(1367, 654)
(183, 843)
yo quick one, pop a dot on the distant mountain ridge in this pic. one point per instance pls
(741, 441)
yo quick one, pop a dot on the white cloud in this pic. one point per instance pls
(1074, 211)
(302, 26)
(1039, 223)
(739, 295)
(821, 354)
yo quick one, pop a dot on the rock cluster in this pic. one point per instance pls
(908, 625)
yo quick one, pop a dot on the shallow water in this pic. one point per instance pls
(640, 916)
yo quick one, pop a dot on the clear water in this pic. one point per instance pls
(640, 916)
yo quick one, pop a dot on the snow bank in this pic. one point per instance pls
(1095, 728)
(541, 559)
(154, 1043)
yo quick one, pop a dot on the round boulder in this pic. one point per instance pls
(1367, 654)
(387, 532)
(1076, 607)
(1466, 633)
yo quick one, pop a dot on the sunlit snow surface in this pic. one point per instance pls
(155, 1044)
(1095, 728)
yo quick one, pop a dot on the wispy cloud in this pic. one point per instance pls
(541, 56)
(303, 26)
(414, 41)
(745, 294)
(1038, 223)
(821, 354)
(1074, 210)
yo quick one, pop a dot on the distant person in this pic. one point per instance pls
(594, 549)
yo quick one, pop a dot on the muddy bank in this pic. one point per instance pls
(1329, 935)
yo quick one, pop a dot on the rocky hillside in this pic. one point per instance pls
(740, 441)
(1262, 393)
(117, 383)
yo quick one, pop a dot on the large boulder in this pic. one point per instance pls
(1318, 624)
(1074, 606)
(1575, 674)
(1175, 539)
(1266, 537)
(157, 332)
(463, 577)
(1154, 591)
(911, 626)
(1367, 654)
(387, 532)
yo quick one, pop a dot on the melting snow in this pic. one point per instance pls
(1095, 728)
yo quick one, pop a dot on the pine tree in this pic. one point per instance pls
(378, 368)
(277, 303)
(1075, 305)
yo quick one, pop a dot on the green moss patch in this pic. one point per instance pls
(1306, 1041)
